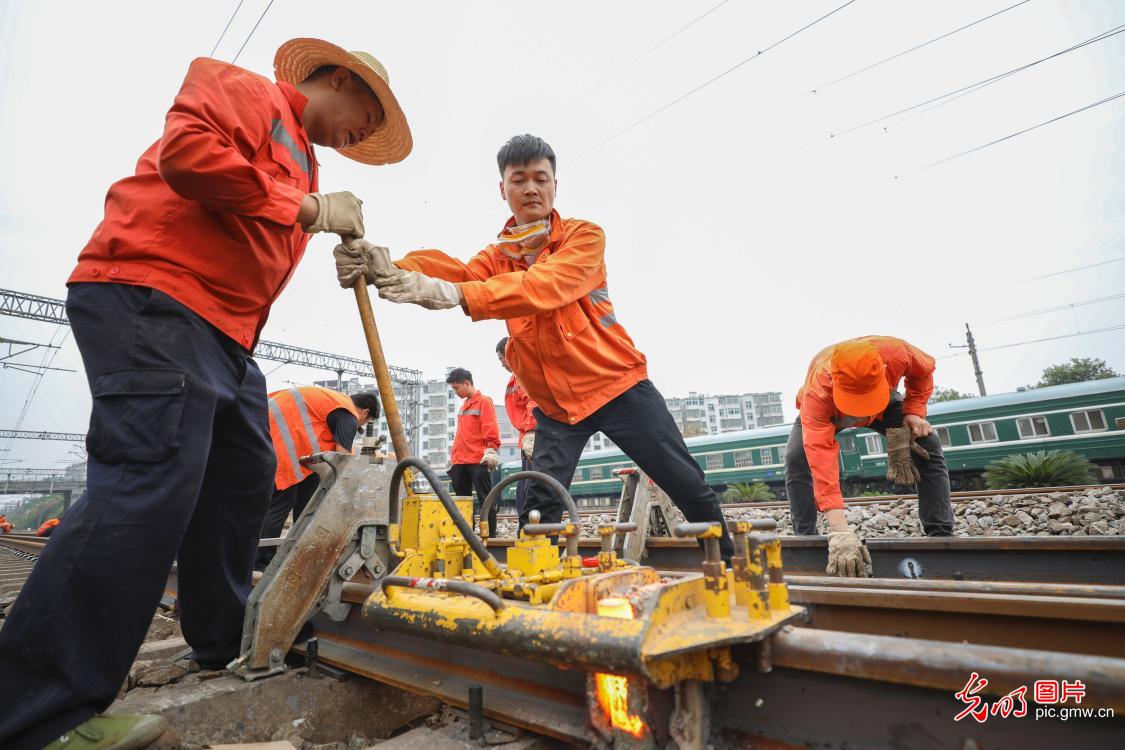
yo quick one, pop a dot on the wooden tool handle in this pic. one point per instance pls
(382, 373)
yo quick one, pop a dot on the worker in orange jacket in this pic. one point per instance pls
(476, 444)
(47, 527)
(546, 277)
(853, 384)
(166, 303)
(304, 420)
(5, 525)
(520, 410)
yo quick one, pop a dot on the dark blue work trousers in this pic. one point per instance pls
(180, 467)
(639, 423)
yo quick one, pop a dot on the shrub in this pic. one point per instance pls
(744, 492)
(1040, 469)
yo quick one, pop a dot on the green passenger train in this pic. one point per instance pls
(1088, 418)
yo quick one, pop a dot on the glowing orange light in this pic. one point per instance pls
(613, 690)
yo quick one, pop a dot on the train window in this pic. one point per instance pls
(847, 443)
(714, 461)
(874, 443)
(1121, 423)
(943, 436)
(595, 472)
(1088, 421)
(1033, 427)
(766, 455)
(577, 475)
(743, 458)
(982, 432)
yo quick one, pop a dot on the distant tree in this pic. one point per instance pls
(744, 492)
(1077, 370)
(948, 394)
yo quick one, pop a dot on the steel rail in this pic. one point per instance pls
(960, 496)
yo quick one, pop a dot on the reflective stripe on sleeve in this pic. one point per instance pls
(282, 138)
(608, 321)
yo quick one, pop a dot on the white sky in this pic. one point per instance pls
(732, 257)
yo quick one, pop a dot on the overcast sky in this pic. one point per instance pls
(734, 254)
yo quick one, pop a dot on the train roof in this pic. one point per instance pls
(1028, 395)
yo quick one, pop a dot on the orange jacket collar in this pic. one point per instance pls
(546, 250)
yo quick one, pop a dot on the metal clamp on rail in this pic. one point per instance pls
(447, 584)
(607, 556)
(714, 570)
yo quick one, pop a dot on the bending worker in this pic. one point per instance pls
(546, 277)
(474, 455)
(852, 384)
(519, 407)
(166, 304)
(306, 420)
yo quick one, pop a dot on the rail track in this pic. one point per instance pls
(960, 496)
(876, 663)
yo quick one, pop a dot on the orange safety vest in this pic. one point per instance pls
(47, 526)
(299, 427)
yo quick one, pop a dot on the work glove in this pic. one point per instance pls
(491, 459)
(418, 289)
(361, 257)
(847, 555)
(528, 444)
(339, 213)
(900, 465)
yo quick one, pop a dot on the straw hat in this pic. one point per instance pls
(859, 385)
(297, 59)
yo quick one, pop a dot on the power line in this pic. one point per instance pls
(1057, 308)
(229, 21)
(916, 47)
(1011, 135)
(1052, 338)
(659, 44)
(963, 90)
(251, 32)
(707, 83)
(1066, 271)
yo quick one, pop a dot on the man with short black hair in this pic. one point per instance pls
(546, 277)
(166, 303)
(476, 443)
(333, 420)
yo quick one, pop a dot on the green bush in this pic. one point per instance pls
(744, 492)
(1040, 469)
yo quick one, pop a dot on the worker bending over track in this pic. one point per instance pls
(304, 420)
(474, 455)
(519, 407)
(852, 384)
(166, 304)
(546, 277)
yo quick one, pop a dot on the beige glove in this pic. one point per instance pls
(900, 466)
(847, 555)
(340, 213)
(528, 444)
(491, 459)
(361, 257)
(418, 289)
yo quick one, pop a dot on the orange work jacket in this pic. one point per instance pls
(565, 344)
(519, 405)
(47, 526)
(209, 217)
(820, 420)
(477, 429)
(299, 427)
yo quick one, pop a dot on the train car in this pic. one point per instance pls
(1088, 418)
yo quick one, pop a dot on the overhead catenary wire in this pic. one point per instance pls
(967, 89)
(707, 83)
(660, 44)
(226, 28)
(256, 23)
(916, 47)
(1065, 271)
(1056, 308)
(1051, 338)
(1010, 136)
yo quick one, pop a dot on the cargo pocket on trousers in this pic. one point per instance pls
(136, 415)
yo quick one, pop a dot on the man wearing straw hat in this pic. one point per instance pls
(546, 277)
(166, 303)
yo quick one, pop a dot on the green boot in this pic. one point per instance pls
(112, 732)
